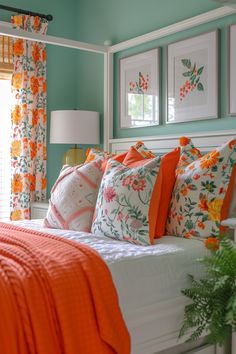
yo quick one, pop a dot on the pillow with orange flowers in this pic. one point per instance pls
(95, 153)
(203, 190)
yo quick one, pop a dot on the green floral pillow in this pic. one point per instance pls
(201, 185)
(122, 209)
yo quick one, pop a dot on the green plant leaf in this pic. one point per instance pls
(213, 298)
(200, 70)
(200, 86)
(194, 67)
(186, 62)
(187, 74)
(189, 224)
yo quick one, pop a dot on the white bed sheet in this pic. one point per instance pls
(148, 279)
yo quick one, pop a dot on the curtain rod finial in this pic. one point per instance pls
(49, 17)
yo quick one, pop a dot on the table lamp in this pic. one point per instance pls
(74, 127)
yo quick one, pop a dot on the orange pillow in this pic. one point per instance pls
(165, 182)
(120, 158)
(162, 191)
(133, 158)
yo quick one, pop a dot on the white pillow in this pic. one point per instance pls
(73, 197)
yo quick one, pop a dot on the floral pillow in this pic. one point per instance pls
(143, 150)
(94, 154)
(73, 197)
(124, 208)
(197, 203)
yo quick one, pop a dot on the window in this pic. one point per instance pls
(6, 65)
(142, 108)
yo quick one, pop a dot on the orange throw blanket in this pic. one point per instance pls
(56, 297)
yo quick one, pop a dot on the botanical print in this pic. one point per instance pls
(28, 149)
(124, 196)
(139, 90)
(200, 189)
(193, 75)
(191, 81)
(193, 78)
(140, 86)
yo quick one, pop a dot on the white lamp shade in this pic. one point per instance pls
(74, 127)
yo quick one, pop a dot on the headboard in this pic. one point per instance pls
(164, 143)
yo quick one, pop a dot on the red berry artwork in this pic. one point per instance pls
(193, 77)
(140, 86)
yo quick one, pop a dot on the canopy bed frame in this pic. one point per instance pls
(205, 141)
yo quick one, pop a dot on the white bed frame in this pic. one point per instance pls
(171, 315)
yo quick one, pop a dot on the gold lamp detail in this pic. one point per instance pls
(74, 127)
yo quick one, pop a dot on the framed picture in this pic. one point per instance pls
(232, 70)
(193, 79)
(139, 90)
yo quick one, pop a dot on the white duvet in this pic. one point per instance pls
(144, 276)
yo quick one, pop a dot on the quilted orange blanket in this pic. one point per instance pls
(56, 296)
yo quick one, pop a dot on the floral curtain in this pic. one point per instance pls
(28, 148)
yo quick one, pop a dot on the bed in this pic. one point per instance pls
(153, 306)
(149, 280)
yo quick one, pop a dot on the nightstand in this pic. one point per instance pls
(39, 209)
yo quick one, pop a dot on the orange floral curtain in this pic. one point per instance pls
(28, 149)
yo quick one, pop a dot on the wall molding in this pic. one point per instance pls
(164, 143)
(174, 28)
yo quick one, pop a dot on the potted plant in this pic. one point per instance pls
(213, 298)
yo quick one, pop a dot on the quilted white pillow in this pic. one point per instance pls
(73, 197)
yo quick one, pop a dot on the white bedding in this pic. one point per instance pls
(148, 279)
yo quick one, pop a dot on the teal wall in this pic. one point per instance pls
(61, 67)
(75, 78)
(122, 20)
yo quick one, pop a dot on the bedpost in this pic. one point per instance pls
(234, 333)
(231, 223)
(108, 100)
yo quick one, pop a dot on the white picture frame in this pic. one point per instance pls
(139, 90)
(232, 70)
(192, 88)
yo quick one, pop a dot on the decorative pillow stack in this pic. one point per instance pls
(202, 191)
(125, 205)
(73, 197)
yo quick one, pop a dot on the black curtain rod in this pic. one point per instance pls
(25, 12)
